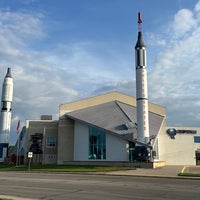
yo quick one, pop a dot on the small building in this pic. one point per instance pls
(41, 139)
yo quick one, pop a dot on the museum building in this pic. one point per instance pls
(103, 129)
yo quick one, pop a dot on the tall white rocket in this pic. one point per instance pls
(141, 87)
(5, 118)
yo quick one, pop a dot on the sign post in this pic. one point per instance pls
(30, 155)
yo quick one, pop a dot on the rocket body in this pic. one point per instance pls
(141, 90)
(5, 117)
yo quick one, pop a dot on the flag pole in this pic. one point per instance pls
(17, 160)
(43, 146)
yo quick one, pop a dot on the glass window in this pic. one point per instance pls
(131, 150)
(196, 139)
(51, 142)
(97, 143)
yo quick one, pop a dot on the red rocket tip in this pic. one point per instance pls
(139, 18)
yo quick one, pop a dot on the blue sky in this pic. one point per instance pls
(66, 50)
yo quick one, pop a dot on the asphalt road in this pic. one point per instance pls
(96, 187)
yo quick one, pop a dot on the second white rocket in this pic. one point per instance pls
(5, 118)
(141, 87)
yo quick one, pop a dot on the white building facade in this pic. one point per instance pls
(183, 148)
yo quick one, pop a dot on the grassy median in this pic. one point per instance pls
(5, 199)
(62, 168)
(189, 174)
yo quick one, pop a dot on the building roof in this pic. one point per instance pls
(117, 118)
(105, 98)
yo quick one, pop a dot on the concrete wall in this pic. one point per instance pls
(50, 158)
(81, 142)
(178, 151)
(116, 148)
(65, 141)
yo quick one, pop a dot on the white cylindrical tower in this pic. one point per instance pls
(141, 87)
(5, 118)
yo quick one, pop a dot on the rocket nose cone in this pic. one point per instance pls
(140, 41)
(9, 73)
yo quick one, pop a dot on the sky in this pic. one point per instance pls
(66, 50)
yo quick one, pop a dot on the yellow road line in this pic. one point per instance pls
(182, 171)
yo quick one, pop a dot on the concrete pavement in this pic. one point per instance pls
(191, 169)
(166, 171)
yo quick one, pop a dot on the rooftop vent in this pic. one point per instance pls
(46, 117)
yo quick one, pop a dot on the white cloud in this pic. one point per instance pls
(183, 22)
(197, 7)
(174, 82)
(39, 85)
(155, 39)
(17, 26)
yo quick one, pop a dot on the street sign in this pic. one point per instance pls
(30, 154)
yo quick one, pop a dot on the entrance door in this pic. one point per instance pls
(197, 153)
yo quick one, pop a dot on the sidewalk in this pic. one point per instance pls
(166, 171)
(191, 169)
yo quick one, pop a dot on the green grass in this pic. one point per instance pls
(5, 199)
(63, 168)
(189, 174)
